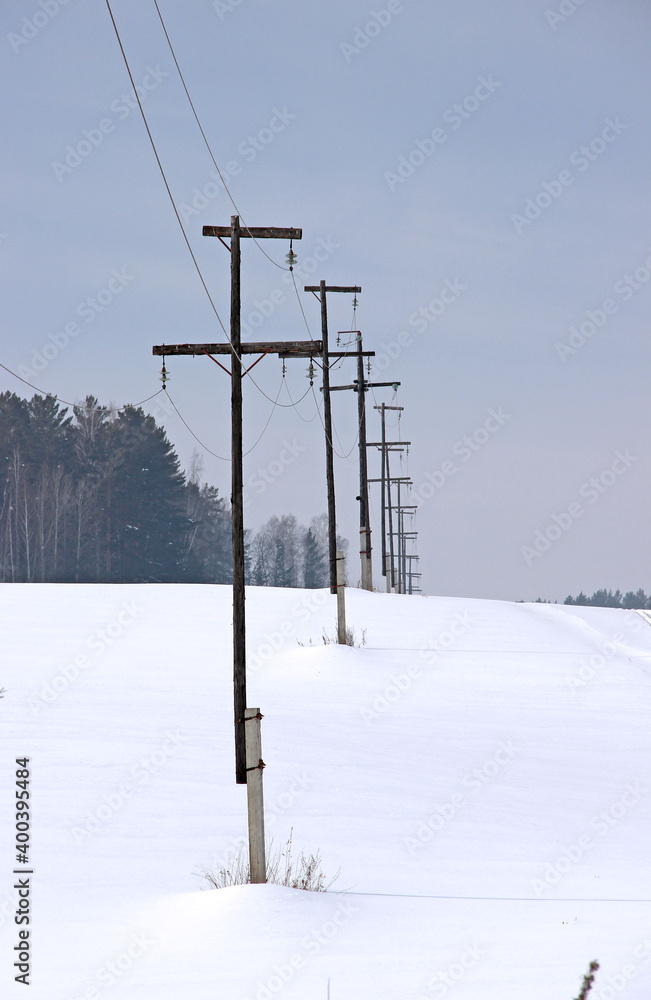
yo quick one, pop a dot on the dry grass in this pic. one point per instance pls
(333, 640)
(303, 872)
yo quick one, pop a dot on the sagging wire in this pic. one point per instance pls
(262, 432)
(345, 457)
(163, 175)
(197, 439)
(306, 420)
(80, 406)
(207, 144)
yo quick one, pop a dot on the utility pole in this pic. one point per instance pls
(361, 386)
(386, 480)
(402, 549)
(412, 573)
(236, 349)
(364, 519)
(319, 292)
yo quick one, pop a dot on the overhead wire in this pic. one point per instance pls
(165, 181)
(345, 457)
(284, 405)
(80, 406)
(181, 226)
(178, 217)
(273, 410)
(291, 271)
(306, 420)
(207, 144)
(221, 176)
(222, 458)
(205, 446)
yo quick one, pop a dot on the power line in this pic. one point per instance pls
(221, 177)
(273, 410)
(489, 899)
(184, 421)
(205, 446)
(306, 420)
(80, 406)
(162, 172)
(169, 192)
(203, 135)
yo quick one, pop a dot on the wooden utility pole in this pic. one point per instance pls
(402, 549)
(236, 349)
(388, 568)
(361, 386)
(320, 292)
(364, 519)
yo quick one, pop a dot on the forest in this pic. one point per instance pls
(98, 496)
(608, 599)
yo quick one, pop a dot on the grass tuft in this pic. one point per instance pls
(303, 872)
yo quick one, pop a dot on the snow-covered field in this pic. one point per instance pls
(478, 770)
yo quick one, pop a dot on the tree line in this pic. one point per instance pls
(608, 599)
(98, 496)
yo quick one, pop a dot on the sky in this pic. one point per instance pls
(480, 170)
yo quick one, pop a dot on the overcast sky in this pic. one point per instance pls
(480, 169)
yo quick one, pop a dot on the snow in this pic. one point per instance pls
(477, 770)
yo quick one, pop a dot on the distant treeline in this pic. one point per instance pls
(608, 599)
(98, 496)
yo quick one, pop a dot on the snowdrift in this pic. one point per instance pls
(476, 769)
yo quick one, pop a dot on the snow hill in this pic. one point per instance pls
(478, 770)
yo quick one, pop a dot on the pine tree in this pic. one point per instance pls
(146, 504)
(315, 569)
(637, 600)
(208, 557)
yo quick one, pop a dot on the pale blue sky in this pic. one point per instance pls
(338, 101)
